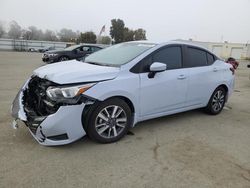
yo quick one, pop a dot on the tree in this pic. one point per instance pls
(50, 35)
(117, 30)
(88, 37)
(2, 31)
(35, 34)
(128, 35)
(105, 40)
(15, 30)
(26, 34)
(140, 34)
(67, 35)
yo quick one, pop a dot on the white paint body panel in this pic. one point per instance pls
(75, 72)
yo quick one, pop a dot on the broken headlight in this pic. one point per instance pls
(64, 93)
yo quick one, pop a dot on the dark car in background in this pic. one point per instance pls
(41, 50)
(78, 52)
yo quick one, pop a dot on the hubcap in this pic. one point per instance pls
(218, 100)
(111, 121)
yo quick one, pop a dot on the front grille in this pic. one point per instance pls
(36, 103)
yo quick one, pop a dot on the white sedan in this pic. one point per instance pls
(119, 86)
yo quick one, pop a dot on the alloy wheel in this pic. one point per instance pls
(218, 100)
(111, 121)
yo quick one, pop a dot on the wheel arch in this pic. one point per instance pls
(88, 109)
(125, 99)
(221, 85)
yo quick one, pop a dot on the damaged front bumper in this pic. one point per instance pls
(59, 128)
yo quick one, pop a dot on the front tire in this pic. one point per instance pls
(109, 121)
(63, 58)
(217, 101)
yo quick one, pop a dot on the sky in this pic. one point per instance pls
(202, 20)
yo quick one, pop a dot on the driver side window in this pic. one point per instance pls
(172, 56)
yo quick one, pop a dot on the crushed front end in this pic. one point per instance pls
(50, 122)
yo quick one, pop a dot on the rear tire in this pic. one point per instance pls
(109, 121)
(217, 101)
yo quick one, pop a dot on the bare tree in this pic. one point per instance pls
(50, 35)
(2, 31)
(26, 34)
(15, 30)
(67, 35)
(35, 33)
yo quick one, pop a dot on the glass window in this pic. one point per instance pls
(95, 49)
(170, 56)
(210, 59)
(118, 54)
(197, 57)
(86, 49)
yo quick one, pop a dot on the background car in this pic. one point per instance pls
(78, 52)
(45, 49)
(41, 50)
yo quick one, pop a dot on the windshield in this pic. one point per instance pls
(72, 47)
(118, 54)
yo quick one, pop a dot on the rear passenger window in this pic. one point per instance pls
(210, 59)
(170, 56)
(197, 57)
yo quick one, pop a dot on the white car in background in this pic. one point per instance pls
(119, 86)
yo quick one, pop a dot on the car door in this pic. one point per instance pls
(202, 75)
(167, 90)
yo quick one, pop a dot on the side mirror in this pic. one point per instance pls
(155, 68)
(248, 65)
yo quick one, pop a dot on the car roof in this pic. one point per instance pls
(183, 42)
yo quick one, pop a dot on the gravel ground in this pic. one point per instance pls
(190, 149)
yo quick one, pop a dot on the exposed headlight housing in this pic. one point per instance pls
(64, 93)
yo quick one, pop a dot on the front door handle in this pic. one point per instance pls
(182, 77)
(215, 69)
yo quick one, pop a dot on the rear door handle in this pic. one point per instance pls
(181, 77)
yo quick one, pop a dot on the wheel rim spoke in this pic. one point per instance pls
(106, 111)
(121, 120)
(100, 125)
(103, 129)
(114, 130)
(119, 125)
(109, 132)
(114, 111)
(118, 113)
(102, 116)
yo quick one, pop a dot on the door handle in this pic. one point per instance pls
(215, 69)
(182, 77)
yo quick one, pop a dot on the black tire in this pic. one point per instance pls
(216, 102)
(93, 118)
(63, 58)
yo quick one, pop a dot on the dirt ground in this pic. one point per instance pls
(190, 149)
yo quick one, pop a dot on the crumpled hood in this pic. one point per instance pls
(75, 72)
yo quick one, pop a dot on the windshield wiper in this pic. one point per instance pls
(100, 64)
(93, 63)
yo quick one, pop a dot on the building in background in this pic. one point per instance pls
(225, 50)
